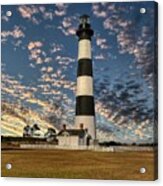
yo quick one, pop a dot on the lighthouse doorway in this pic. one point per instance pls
(88, 140)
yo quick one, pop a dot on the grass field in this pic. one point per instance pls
(78, 164)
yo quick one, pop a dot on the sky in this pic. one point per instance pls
(39, 63)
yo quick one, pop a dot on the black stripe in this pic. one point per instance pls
(84, 33)
(84, 37)
(85, 67)
(85, 105)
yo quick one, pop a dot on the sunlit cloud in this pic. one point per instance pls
(16, 33)
(47, 69)
(37, 53)
(35, 44)
(29, 12)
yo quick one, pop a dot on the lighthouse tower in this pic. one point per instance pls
(85, 111)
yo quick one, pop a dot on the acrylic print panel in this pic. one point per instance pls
(79, 90)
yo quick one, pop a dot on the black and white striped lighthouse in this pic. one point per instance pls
(85, 109)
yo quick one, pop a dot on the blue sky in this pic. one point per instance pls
(39, 63)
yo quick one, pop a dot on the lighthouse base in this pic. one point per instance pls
(88, 123)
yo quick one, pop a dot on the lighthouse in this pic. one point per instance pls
(85, 107)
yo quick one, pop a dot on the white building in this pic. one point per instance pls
(74, 138)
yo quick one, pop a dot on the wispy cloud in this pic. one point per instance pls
(4, 17)
(56, 47)
(99, 57)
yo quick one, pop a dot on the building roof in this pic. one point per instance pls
(72, 132)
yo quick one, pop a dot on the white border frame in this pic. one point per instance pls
(70, 182)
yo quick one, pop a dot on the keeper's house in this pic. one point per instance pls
(73, 138)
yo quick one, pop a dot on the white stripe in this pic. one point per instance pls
(84, 49)
(88, 122)
(84, 86)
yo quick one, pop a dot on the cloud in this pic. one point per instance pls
(69, 25)
(127, 105)
(13, 87)
(67, 31)
(56, 47)
(29, 12)
(47, 59)
(5, 18)
(64, 60)
(16, 33)
(38, 102)
(48, 15)
(97, 10)
(35, 44)
(32, 65)
(141, 47)
(70, 31)
(102, 43)
(37, 53)
(38, 13)
(127, 111)
(47, 69)
(56, 79)
(67, 22)
(28, 94)
(18, 43)
(99, 57)
(34, 48)
(61, 9)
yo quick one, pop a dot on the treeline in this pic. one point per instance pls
(113, 143)
(21, 139)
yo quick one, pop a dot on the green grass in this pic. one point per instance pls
(78, 164)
